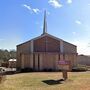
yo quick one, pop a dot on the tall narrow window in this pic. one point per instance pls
(64, 56)
(58, 56)
(33, 61)
(38, 63)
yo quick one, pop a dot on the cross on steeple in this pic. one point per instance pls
(45, 24)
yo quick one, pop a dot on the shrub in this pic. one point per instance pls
(27, 70)
(48, 70)
(79, 68)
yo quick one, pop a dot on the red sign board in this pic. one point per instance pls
(64, 65)
(63, 62)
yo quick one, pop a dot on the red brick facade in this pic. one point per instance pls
(46, 44)
(44, 52)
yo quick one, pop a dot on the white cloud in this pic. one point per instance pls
(69, 1)
(55, 3)
(78, 22)
(82, 46)
(27, 6)
(34, 10)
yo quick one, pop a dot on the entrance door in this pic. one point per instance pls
(50, 61)
(36, 62)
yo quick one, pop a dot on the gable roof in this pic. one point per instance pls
(43, 35)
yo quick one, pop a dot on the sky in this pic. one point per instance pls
(22, 20)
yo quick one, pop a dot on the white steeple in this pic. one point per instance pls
(45, 24)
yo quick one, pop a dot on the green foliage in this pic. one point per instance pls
(80, 68)
(5, 55)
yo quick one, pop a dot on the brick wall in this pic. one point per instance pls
(46, 44)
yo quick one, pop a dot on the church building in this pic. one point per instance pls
(44, 52)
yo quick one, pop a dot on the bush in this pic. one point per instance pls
(80, 68)
(48, 70)
(27, 70)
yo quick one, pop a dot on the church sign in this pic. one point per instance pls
(63, 62)
(64, 65)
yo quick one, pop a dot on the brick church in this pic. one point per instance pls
(44, 52)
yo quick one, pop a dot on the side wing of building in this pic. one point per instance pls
(70, 52)
(24, 48)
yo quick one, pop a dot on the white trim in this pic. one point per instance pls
(32, 46)
(61, 46)
(22, 61)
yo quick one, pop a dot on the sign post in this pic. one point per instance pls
(65, 68)
(65, 76)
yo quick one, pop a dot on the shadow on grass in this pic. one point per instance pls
(53, 82)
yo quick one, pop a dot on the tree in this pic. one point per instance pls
(5, 55)
(12, 54)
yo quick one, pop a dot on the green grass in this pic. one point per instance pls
(47, 81)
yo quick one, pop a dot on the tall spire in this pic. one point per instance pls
(45, 23)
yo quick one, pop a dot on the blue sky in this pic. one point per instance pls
(22, 20)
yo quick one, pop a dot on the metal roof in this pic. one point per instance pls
(12, 60)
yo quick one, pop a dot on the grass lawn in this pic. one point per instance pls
(46, 81)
